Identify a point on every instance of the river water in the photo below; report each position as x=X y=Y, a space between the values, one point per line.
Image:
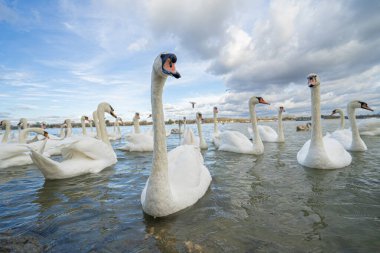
x=266 y=203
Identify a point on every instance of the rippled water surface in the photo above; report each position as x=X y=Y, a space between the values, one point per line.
x=266 y=203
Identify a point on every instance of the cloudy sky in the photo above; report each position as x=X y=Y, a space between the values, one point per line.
x=59 y=59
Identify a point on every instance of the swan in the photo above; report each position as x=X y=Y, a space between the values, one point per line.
x=202 y=143
x=268 y=134
x=86 y=155
x=350 y=139
x=370 y=127
x=321 y=153
x=179 y=178
x=303 y=127
x=17 y=154
x=138 y=141
x=234 y=141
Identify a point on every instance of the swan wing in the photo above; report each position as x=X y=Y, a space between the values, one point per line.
x=188 y=176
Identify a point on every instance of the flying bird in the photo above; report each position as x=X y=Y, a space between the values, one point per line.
x=192 y=104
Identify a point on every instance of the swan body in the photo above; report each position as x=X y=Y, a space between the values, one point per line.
x=179 y=178
x=234 y=141
x=86 y=155
x=268 y=134
x=318 y=152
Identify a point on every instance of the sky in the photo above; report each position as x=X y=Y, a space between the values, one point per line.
x=60 y=58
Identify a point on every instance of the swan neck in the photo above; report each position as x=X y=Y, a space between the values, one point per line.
x=159 y=186
x=255 y=129
x=341 y=120
x=96 y=122
x=6 y=134
x=215 y=122
x=316 y=131
x=26 y=131
x=102 y=126
x=136 y=125
x=199 y=126
x=280 y=127
x=356 y=139
x=84 y=132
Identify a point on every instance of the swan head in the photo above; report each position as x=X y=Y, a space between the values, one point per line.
x=313 y=80
x=46 y=135
x=107 y=108
x=334 y=112
x=359 y=104
x=215 y=110
x=164 y=65
x=23 y=123
x=257 y=100
x=282 y=109
x=199 y=117
x=137 y=116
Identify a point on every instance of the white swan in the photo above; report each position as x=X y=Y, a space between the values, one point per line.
x=138 y=141
x=321 y=152
x=352 y=142
x=17 y=154
x=87 y=155
x=234 y=141
x=268 y=134
x=178 y=178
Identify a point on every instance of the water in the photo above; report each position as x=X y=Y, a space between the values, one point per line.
x=265 y=203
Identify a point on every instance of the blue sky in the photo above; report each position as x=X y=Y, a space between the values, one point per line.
x=59 y=59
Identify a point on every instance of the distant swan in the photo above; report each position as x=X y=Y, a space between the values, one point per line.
x=138 y=141
x=350 y=139
x=87 y=155
x=7 y=125
x=268 y=134
x=303 y=127
x=321 y=152
x=234 y=141
x=179 y=178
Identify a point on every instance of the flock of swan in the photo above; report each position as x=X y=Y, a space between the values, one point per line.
x=178 y=178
